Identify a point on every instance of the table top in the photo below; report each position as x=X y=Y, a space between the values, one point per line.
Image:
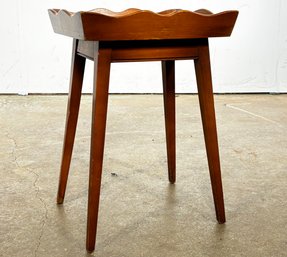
x=135 y=24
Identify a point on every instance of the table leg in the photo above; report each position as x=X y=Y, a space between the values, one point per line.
x=205 y=94
x=168 y=77
x=76 y=81
x=102 y=61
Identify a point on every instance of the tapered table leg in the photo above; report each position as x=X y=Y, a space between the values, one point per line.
x=168 y=76
x=76 y=81
x=205 y=93
x=102 y=62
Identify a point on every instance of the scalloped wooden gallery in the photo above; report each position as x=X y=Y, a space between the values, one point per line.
x=134 y=35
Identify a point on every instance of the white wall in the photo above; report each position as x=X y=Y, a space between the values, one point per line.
x=35 y=60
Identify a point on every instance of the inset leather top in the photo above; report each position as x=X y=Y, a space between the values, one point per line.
x=135 y=24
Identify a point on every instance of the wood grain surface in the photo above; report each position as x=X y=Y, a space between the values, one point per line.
x=136 y=24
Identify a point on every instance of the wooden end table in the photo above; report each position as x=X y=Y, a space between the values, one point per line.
x=133 y=35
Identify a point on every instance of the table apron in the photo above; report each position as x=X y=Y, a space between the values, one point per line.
x=131 y=51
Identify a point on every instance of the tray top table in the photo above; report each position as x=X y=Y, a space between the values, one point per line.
x=139 y=35
x=135 y=24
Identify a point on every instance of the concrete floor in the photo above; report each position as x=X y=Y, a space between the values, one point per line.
x=140 y=213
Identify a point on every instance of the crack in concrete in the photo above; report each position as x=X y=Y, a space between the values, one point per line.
x=13 y=153
x=35 y=186
x=45 y=217
x=253 y=114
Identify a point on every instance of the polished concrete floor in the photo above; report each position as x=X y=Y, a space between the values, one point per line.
x=140 y=213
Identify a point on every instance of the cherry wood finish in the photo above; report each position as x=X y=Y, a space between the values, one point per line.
x=105 y=25
x=135 y=35
x=143 y=50
x=168 y=77
x=102 y=61
x=205 y=94
x=76 y=81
